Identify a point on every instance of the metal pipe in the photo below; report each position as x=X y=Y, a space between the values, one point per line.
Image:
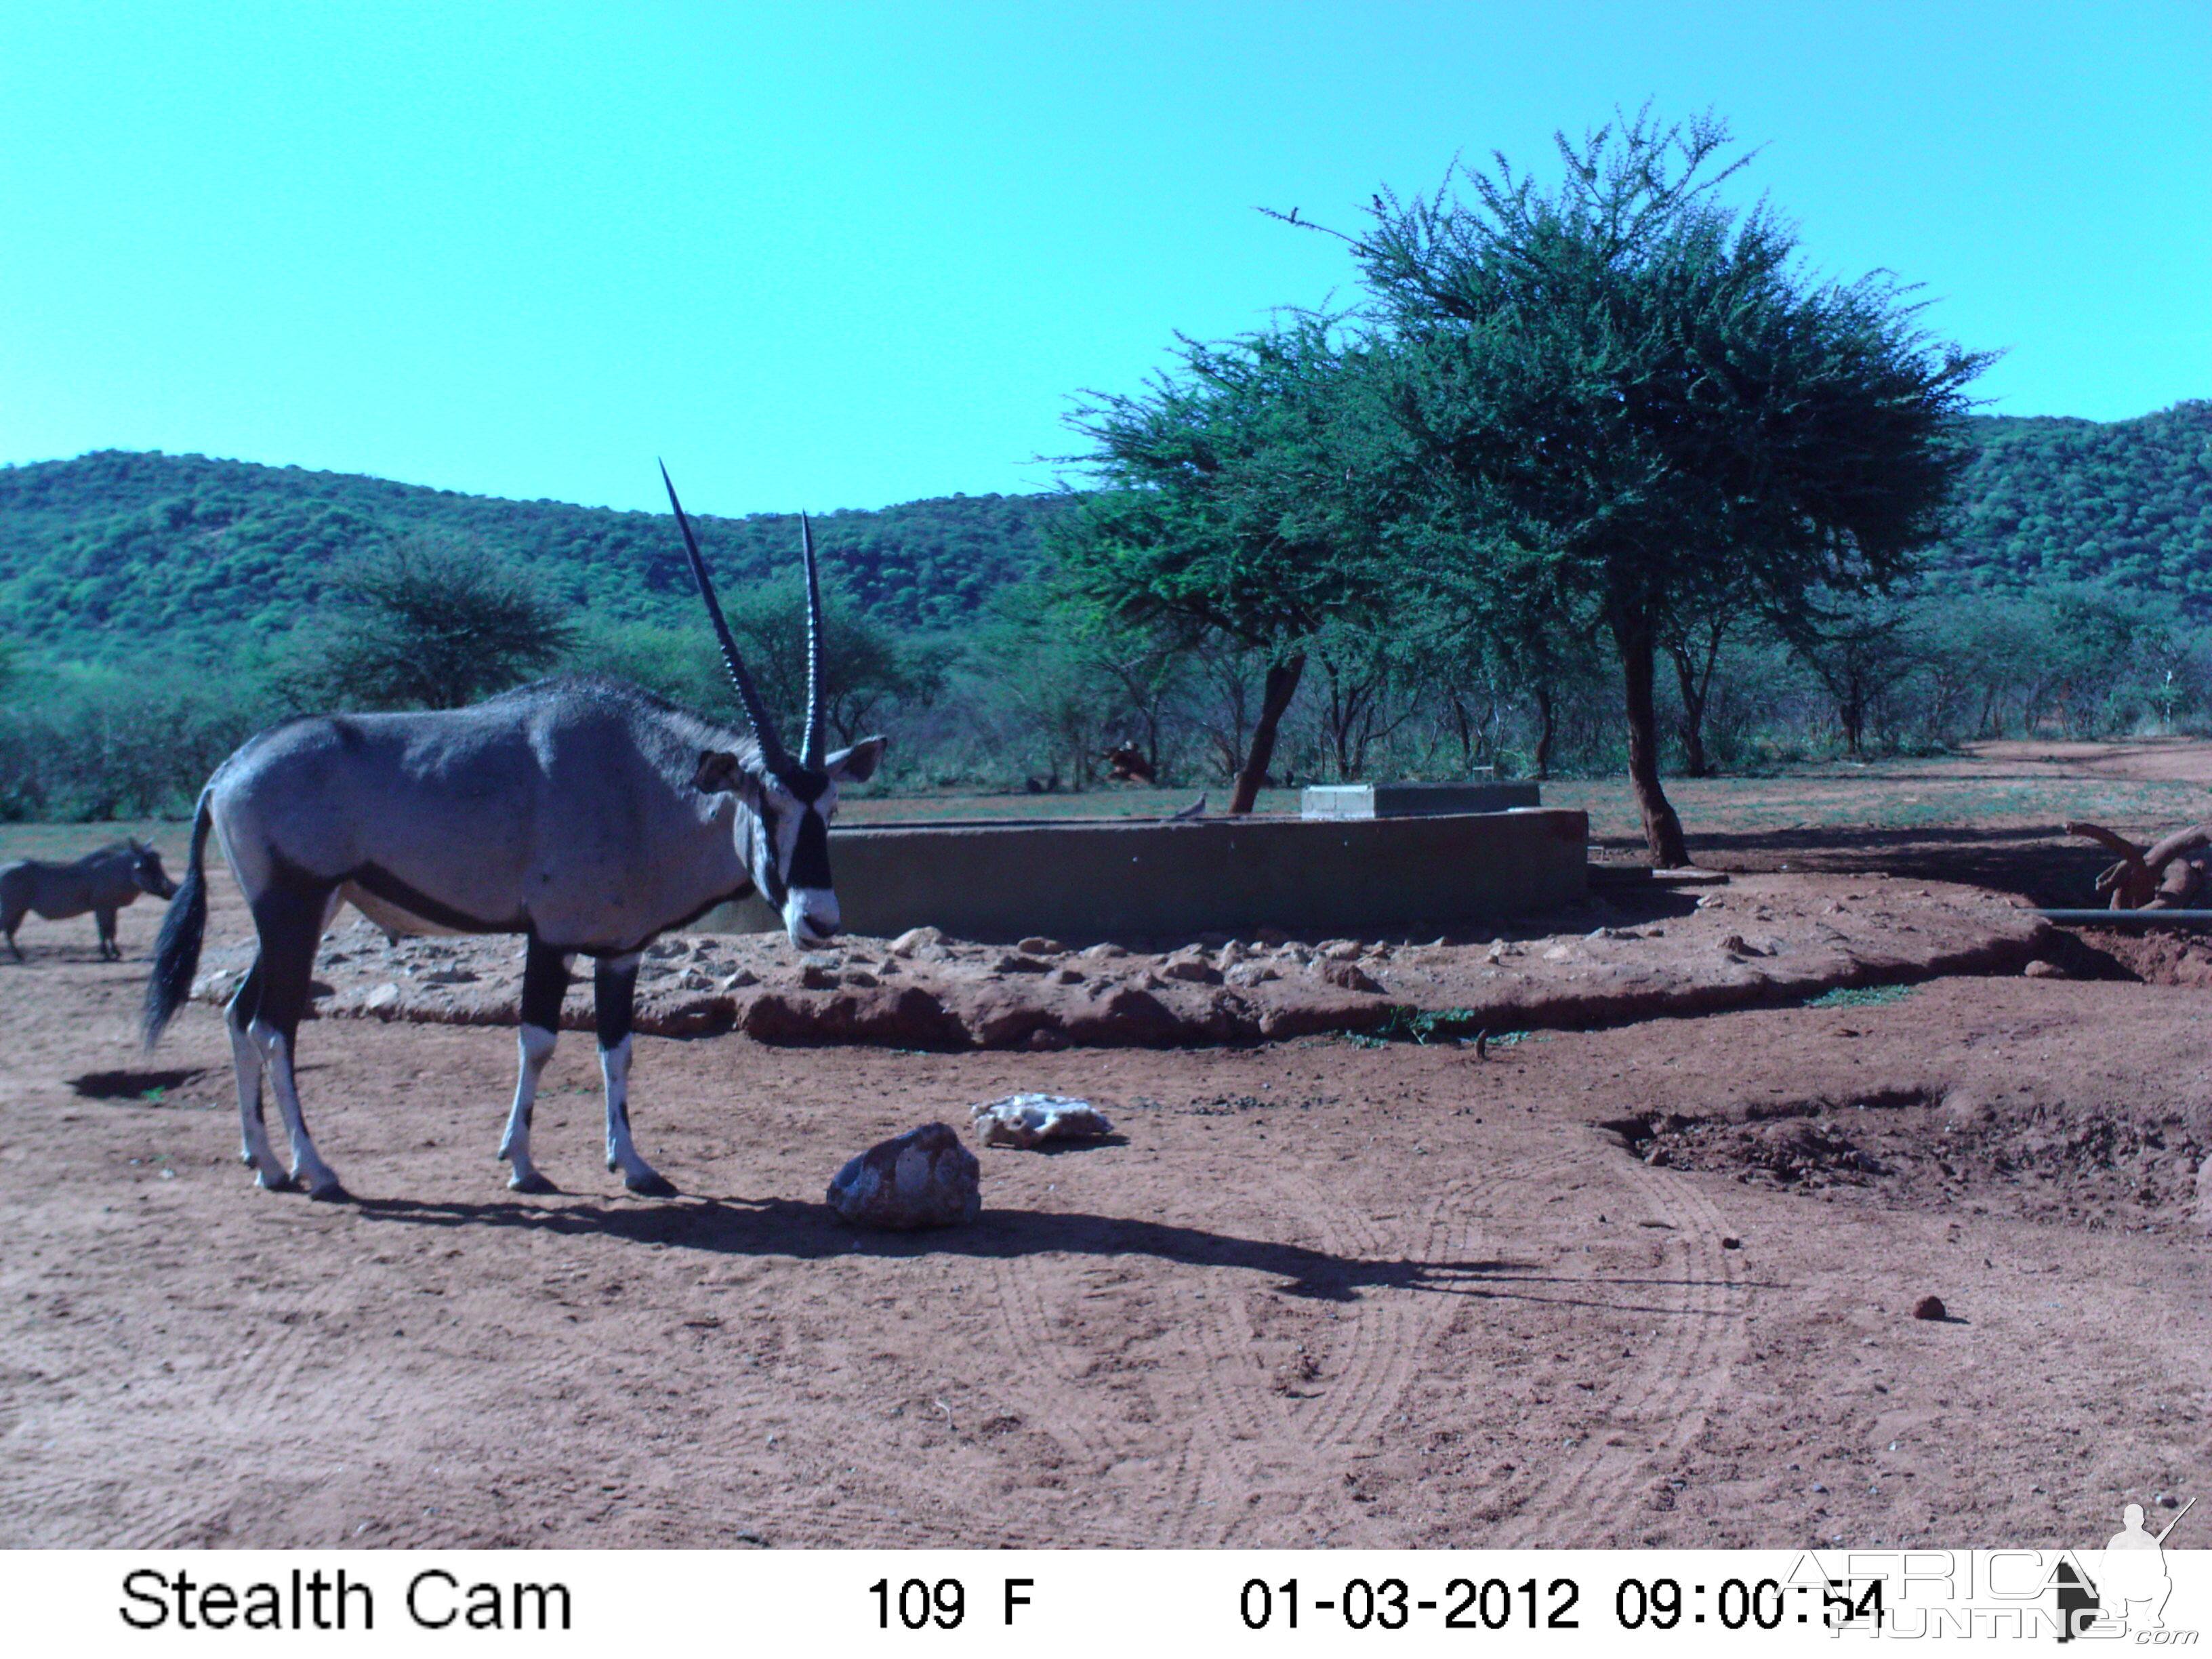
x=2129 y=919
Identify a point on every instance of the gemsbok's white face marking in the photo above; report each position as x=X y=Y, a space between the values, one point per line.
x=790 y=812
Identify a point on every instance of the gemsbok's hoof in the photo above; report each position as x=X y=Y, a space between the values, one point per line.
x=533 y=1182
x=330 y=1191
x=650 y=1184
x=274 y=1184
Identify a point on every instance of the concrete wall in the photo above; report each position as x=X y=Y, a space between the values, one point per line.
x=1004 y=880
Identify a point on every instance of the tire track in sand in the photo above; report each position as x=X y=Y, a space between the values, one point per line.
x=1063 y=1393
x=1587 y=1496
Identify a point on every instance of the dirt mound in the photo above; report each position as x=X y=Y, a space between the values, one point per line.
x=1627 y=953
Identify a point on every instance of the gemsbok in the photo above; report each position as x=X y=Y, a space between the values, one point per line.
x=584 y=814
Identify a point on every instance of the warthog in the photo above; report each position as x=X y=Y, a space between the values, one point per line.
x=102 y=883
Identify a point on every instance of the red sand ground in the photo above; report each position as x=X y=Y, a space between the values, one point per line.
x=1647 y=1284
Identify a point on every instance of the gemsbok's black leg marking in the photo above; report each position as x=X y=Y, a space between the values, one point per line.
x=545 y=983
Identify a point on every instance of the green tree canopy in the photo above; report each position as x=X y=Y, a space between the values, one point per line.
x=1625 y=403
x=1242 y=497
x=432 y=624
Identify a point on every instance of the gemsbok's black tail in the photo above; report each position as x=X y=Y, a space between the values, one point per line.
x=176 y=952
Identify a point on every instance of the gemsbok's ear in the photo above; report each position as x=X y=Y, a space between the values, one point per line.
x=856 y=764
x=719 y=770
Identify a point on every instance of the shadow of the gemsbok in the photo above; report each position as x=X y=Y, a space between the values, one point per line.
x=791 y=1228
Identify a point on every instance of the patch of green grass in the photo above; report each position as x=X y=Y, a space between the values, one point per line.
x=1860 y=996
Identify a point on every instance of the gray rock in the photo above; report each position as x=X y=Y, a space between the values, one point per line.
x=924 y=1178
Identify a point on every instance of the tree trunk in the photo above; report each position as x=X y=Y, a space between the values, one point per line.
x=1662 y=830
x=1282 y=685
x=1697 y=685
x=1464 y=722
x=1548 y=723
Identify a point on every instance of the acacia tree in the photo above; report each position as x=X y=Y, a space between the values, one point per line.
x=431 y=623
x=1241 y=500
x=866 y=665
x=1620 y=396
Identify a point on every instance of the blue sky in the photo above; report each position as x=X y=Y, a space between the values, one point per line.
x=825 y=255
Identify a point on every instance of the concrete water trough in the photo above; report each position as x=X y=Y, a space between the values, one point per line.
x=1006 y=879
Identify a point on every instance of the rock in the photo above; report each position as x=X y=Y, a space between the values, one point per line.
x=739 y=980
x=924 y=1178
x=1020 y=963
x=1105 y=952
x=1249 y=974
x=1350 y=976
x=859 y=979
x=1029 y=1119
x=218 y=986
x=2039 y=969
x=1192 y=969
x=1341 y=950
x=1067 y=976
x=1037 y=946
x=451 y=976
x=818 y=976
x=1929 y=1307
x=915 y=940
x=384 y=996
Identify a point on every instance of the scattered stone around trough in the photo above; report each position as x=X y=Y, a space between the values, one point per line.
x=1630 y=954
x=1031 y=1119
x=923 y=1178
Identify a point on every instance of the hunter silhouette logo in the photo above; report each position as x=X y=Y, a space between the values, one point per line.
x=2131 y=1585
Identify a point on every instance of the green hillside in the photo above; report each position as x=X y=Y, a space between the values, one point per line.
x=101 y=553
x=2049 y=500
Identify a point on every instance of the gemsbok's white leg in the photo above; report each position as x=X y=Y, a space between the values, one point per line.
x=614 y=987
x=307 y=1165
x=537 y=1045
x=255 y=1150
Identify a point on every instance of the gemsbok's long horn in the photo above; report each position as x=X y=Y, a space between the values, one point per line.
x=772 y=749
x=817 y=728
